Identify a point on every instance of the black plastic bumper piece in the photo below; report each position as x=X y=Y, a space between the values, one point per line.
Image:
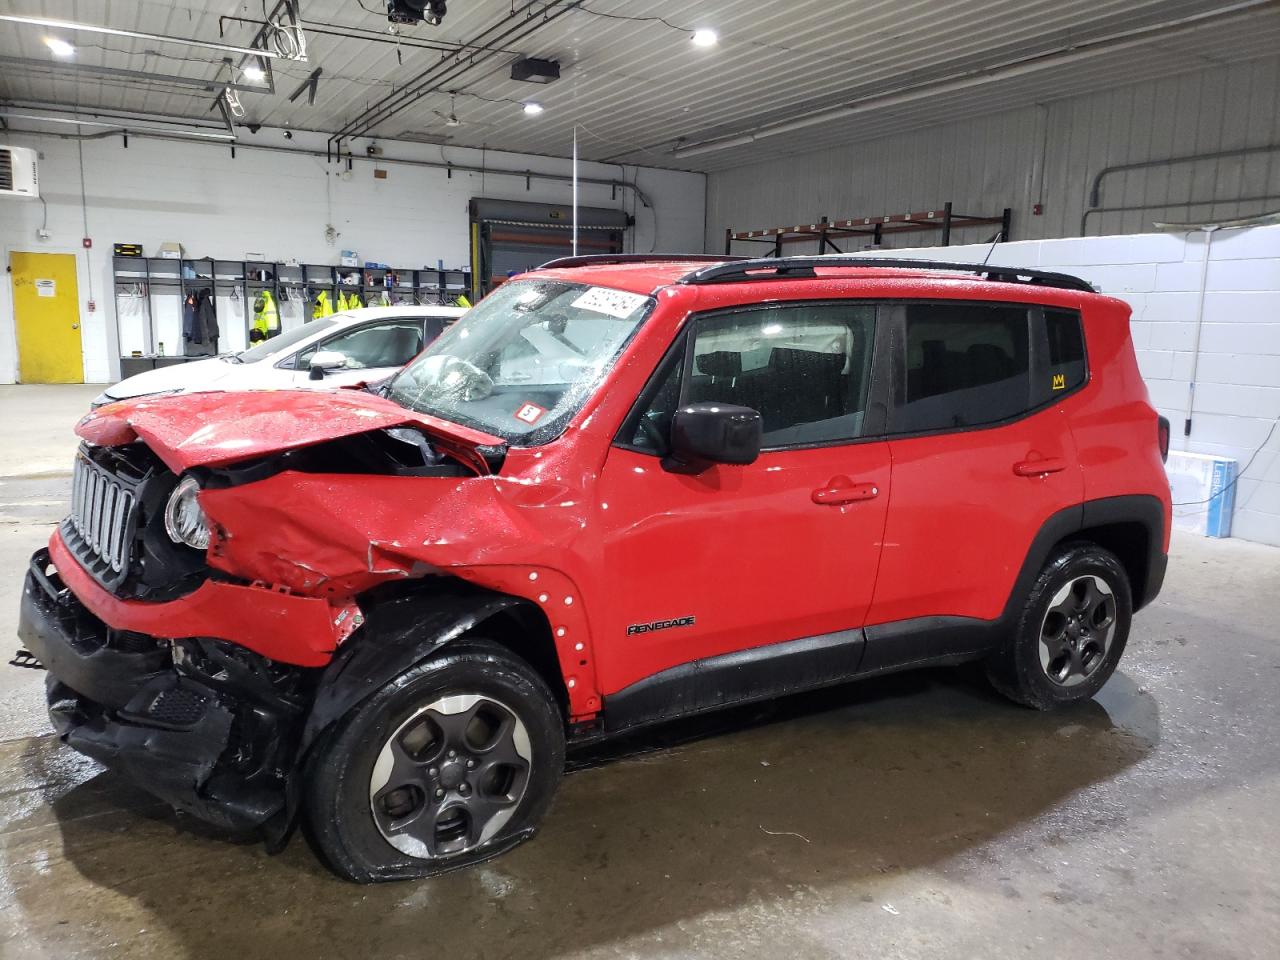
x=1155 y=576
x=126 y=706
x=72 y=644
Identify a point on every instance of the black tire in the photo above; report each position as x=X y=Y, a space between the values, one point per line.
x=1085 y=656
x=340 y=797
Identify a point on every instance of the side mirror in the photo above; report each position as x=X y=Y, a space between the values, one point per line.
x=324 y=360
x=706 y=433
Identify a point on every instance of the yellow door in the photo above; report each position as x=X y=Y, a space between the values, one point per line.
x=46 y=308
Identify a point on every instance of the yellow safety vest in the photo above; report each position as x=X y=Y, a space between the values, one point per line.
x=266 y=318
x=322 y=307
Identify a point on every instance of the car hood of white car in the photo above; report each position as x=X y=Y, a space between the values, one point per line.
x=193 y=376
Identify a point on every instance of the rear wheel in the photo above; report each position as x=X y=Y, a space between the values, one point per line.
x=453 y=762
x=1072 y=631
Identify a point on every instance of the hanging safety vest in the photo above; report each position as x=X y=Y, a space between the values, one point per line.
x=266 y=318
x=321 y=307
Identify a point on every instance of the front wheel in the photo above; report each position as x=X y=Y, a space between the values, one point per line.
x=1072 y=631
x=453 y=762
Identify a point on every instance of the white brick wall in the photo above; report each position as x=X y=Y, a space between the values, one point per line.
x=1238 y=380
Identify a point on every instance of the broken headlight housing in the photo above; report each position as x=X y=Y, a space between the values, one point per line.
x=184 y=521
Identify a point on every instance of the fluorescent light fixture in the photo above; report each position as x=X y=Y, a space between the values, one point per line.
x=60 y=48
x=533 y=109
x=705 y=37
x=254 y=73
x=112 y=31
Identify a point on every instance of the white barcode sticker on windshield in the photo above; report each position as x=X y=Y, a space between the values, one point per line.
x=615 y=303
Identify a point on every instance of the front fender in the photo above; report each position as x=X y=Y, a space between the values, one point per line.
x=397 y=634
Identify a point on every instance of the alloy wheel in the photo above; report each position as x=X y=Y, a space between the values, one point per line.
x=450 y=776
x=1077 y=629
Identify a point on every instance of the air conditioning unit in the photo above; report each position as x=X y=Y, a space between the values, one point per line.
x=18 y=172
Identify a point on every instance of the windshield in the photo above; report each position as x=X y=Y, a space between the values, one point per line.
x=268 y=348
x=524 y=360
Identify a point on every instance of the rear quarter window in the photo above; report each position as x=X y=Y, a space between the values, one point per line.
x=1064 y=339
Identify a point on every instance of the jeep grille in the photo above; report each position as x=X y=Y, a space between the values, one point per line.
x=100 y=530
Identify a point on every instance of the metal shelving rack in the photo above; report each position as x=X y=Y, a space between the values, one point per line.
x=160 y=276
x=826 y=230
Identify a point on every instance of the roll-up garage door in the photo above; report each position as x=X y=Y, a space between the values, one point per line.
x=511 y=236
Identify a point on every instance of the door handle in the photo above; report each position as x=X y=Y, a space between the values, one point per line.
x=1038 y=468
x=843 y=490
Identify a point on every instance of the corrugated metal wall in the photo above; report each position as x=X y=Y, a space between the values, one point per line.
x=1048 y=154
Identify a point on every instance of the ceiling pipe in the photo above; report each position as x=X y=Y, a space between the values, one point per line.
x=164 y=79
x=114 y=129
x=119 y=117
x=975 y=78
x=147 y=133
x=158 y=38
x=350 y=32
x=1095 y=191
x=530 y=17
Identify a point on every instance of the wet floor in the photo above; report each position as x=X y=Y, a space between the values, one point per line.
x=918 y=816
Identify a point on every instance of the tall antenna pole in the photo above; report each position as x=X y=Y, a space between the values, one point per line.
x=575 y=189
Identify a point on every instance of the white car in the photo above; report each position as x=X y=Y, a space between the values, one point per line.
x=339 y=350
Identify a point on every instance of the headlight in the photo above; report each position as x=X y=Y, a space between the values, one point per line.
x=184 y=521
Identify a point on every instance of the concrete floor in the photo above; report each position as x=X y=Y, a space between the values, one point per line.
x=919 y=816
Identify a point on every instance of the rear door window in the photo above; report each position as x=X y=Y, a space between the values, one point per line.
x=962 y=365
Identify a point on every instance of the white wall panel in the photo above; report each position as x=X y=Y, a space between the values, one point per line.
x=279 y=205
x=988 y=163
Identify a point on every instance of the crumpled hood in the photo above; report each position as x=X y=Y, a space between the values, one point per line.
x=211 y=429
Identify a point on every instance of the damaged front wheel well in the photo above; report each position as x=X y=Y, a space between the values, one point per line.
x=407 y=622
x=523 y=629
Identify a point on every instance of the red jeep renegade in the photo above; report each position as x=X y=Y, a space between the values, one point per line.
x=621 y=490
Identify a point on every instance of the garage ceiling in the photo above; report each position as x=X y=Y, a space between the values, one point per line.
x=641 y=91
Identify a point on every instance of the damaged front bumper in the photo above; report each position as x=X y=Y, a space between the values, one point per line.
x=282 y=626
x=210 y=743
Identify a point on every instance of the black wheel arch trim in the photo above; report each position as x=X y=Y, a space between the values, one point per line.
x=399 y=632
x=1149 y=564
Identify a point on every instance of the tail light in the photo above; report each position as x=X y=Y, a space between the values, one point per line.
x=1162 y=437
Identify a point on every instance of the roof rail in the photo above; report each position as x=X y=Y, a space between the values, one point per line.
x=782 y=268
x=604 y=258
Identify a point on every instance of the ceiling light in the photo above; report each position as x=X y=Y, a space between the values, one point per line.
x=254 y=73
x=60 y=48
x=705 y=38
x=533 y=109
